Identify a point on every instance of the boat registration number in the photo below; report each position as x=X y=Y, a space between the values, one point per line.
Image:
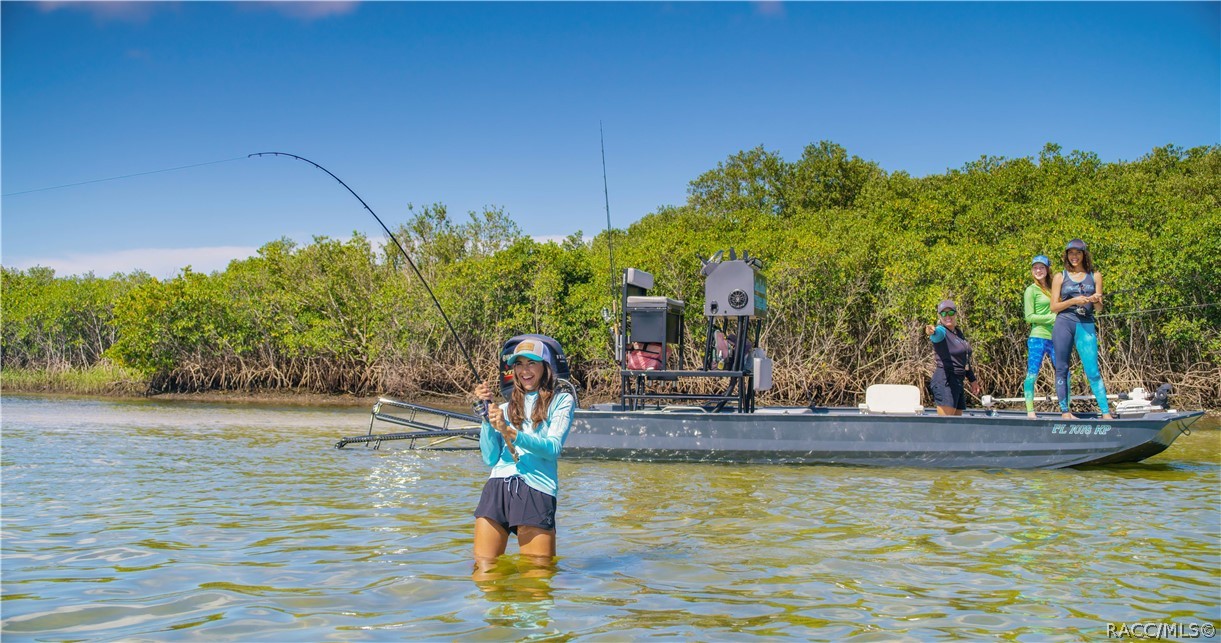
x=1080 y=429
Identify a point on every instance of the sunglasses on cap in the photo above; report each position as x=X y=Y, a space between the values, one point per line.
x=948 y=312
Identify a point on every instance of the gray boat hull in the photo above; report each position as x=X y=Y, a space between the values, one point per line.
x=978 y=439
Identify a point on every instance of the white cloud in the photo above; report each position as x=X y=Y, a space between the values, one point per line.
x=134 y=12
x=307 y=10
x=139 y=11
x=769 y=8
x=159 y=262
x=165 y=263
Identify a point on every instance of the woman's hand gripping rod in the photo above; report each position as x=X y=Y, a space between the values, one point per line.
x=494 y=416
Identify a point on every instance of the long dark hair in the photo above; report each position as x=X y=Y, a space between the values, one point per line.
x=1087 y=262
x=517 y=402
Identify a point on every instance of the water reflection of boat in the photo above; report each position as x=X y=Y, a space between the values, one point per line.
x=657 y=419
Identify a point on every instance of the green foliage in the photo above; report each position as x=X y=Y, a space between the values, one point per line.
x=57 y=323
x=856 y=260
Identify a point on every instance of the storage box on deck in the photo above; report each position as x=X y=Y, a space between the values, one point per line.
x=655 y=319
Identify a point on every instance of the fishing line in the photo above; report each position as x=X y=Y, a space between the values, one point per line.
x=1158 y=310
x=125 y=176
x=1194 y=280
x=406 y=256
x=481 y=406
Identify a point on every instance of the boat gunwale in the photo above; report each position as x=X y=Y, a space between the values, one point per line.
x=840 y=412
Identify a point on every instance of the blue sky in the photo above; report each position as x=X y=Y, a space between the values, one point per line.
x=499 y=104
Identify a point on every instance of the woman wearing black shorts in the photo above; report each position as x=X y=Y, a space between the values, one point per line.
x=521 y=440
x=953 y=353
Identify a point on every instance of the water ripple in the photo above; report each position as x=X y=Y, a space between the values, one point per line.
x=155 y=521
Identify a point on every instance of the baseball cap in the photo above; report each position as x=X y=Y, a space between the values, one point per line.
x=1075 y=244
x=1041 y=259
x=531 y=349
x=946 y=304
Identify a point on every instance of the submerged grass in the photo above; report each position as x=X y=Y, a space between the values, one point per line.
x=104 y=378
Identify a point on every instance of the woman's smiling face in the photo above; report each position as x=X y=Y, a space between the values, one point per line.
x=1039 y=271
x=528 y=372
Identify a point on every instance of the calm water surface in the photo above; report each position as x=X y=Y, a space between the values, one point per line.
x=179 y=521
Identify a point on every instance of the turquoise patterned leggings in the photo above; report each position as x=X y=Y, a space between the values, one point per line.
x=1037 y=350
x=1084 y=336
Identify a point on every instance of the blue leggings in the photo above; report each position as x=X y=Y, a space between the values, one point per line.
x=1065 y=335
x=1037 y=349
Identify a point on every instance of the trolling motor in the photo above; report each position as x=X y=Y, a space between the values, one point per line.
x=1162 y=396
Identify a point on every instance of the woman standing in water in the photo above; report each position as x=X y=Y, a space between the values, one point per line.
x=1036 y=305
x=953 y=355
x=1076 y=295
x=521 y=440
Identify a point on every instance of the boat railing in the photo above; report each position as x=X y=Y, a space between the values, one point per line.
x=432 y=425
x=1132 y=404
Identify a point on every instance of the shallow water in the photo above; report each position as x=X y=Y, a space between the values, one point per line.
x=177 y=521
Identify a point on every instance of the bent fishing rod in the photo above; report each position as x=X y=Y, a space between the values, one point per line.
x=481 y=405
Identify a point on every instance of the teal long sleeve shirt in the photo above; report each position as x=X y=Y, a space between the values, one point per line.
x=538 y=448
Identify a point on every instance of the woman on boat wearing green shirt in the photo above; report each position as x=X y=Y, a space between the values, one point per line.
x=1036 y=304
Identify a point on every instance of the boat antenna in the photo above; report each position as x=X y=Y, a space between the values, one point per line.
x=461 y=346
x=610 y=236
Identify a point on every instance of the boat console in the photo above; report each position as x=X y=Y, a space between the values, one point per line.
x=735 y=298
